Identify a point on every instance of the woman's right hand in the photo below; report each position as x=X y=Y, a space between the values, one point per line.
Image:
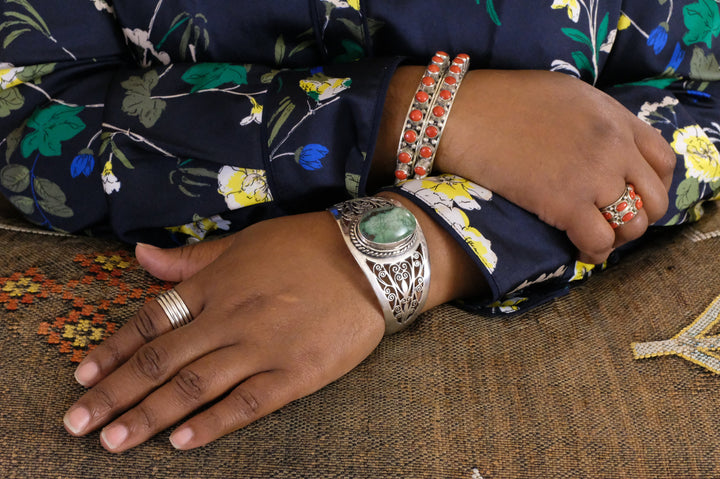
x=551 y=144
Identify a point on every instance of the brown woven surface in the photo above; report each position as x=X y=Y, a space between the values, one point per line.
x=553 y=393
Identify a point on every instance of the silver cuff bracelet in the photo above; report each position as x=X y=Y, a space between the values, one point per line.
x=386 y=241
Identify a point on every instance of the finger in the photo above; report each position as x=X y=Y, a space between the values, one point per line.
x=147 y=324
x=592 y=235
x=656 y=151
x=178 y=264
x=193 y=386
x=152 y=365
x=651 y=188
x=258 y=396
x=632 y=229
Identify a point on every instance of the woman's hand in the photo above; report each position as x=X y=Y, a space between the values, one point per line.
x=281 y=309
x=549 y=143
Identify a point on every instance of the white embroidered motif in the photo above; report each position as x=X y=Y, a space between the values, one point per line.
x=691 y=343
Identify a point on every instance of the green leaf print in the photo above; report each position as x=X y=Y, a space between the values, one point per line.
x=577 y=35
x=279 y=50
x=206 y=76
x=704 y=67
x=15 y=178
x=582 y=62
x=10 y=100
x=35 y=72
x=13 y=141
x=490 y=7
x=280 y=116
x=702 y=20
x=688 y=192
x=24 y=204
x=28 y=21
x=51 y=198
x=138 y=101
x=52 y=125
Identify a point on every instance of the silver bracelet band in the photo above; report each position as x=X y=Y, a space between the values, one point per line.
x=386 y=241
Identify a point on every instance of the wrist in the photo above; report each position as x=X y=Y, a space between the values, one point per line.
x=454 y=273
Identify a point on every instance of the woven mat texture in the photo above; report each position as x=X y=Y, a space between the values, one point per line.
x=552 y=393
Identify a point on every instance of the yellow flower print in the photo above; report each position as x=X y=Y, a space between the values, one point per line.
x=9 y=76
x=509 y=305
x=198 y=229
x=702 y=159
x=110 y=182
x=243 y=186
x=573 y=8
x=624 y=22
x=255 y=113
x=321 y=88
x=344 y=3
x=582 y=271
x=449 y=195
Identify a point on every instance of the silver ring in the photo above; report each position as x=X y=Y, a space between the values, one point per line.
x=624 y=208
x=175 y=308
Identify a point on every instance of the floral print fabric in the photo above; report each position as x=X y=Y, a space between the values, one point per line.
x=168 y=122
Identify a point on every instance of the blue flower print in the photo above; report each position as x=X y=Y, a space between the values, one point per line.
x=311 y=155
x=677 y=57
x=82 y=164
x=658 y=37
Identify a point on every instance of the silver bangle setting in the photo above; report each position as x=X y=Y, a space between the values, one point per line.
x=386 y=241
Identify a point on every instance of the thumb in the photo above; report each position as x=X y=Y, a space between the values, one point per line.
x=178 y=264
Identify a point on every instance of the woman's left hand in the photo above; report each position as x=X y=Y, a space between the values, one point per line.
x=281 y=309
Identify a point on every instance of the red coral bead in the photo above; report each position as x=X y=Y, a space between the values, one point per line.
x=445 y=94
x=419 y=170
x=608 y=216
x=639 y=202
x=428 y=81
x=455 y=69
x=433 y=68
x=404 y=157
x=628 y=216
x=622 y=206
x=438 y=111
x=426 y=151
x=431 y=131
x=451 y=81
x=416 y=115
x=410 y=136
x=400 y=175
x=422 y=97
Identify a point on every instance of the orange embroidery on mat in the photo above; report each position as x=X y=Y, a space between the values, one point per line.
x=85 y=324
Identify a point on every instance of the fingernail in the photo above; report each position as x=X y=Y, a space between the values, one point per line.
x=85 y=373
x=181 y=438
x=77 y=420
x=113 y=436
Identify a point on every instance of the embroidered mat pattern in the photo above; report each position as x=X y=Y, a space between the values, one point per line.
x=554 y=392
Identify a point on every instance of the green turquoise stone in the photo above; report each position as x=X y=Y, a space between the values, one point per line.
x=387 y=225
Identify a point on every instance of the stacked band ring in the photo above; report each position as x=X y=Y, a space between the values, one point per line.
x=175 y=308
x=624 y=208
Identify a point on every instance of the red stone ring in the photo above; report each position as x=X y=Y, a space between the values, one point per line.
x=624 y=208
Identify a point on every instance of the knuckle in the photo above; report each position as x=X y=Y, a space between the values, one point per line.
x=189 y=386
x=147 y=419
x=245 y=404
x=145 y=325
x=103 y=402
x=150 y=362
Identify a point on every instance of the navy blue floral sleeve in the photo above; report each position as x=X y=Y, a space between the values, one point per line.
x=168 y=122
